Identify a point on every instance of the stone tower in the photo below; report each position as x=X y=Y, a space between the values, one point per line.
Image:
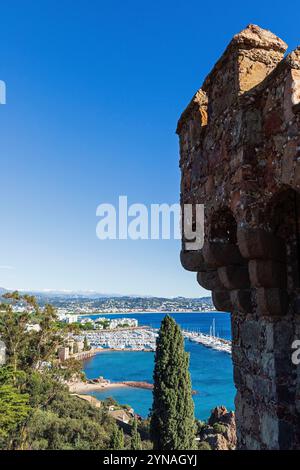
x=240 y=157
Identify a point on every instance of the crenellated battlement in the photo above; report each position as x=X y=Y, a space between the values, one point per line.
x=249 y=58
x=248 y=105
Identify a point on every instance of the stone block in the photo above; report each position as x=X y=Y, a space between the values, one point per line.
x=284 y=335
x=234 y=277
x=267 y=364
x=286 y=435
x=192 y=260
x=269 y=337
x=242 y=300
x=217 y=254
x=210 y=280
x=235 y=327
x=270 y=431
x=221 y=300
x=247 y=415
x=238 y=357
x=238 y=376
x=252 y=443
x=272 y=301
x=285 y=395
x=250 y=334
x=260 y=244
x=267 y=273
x=264 y=388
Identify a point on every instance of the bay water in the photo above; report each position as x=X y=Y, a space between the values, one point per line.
x=211 y=370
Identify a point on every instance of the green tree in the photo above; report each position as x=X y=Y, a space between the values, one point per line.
x=27 y=349
x=172 y=423
x=32 y=375
x=14 y=408
x=136 y=441
x=117 y=438
x=86 y=346
x=12 y=332
x=36 y=408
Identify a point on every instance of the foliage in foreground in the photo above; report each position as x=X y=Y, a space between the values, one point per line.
x=36 y=409
x=69 y=423
x=38 y=412
x=136 y=442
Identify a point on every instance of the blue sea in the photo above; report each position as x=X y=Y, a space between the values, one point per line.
x=211 y=371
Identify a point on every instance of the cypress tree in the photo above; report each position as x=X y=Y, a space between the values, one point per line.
x=117 y=438
x=136 y=442
x=172 y=423
x=86 y=346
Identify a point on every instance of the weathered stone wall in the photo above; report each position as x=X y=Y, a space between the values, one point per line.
x=240 y=157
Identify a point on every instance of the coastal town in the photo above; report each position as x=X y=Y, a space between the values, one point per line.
x=86 y=335
x=132 y=304
x=89 y=303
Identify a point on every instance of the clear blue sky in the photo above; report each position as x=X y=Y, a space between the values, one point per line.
x=94 y=91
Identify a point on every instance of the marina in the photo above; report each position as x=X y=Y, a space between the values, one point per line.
x=136 y=339
x=144 y=339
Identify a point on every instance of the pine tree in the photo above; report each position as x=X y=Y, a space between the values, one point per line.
x=117 y=439
x=136 y=442
x=172 y=423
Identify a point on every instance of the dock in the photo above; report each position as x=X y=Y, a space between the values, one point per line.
x=210 y=341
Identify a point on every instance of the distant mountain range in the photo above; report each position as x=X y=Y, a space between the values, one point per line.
x=93 y=302
x=64 y=294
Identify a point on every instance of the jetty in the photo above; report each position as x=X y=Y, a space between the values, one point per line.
x=210 y=341
x=138 y=384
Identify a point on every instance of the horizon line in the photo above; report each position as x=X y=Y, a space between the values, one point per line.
x=69 y=292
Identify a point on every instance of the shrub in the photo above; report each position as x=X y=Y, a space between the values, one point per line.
x=204 y=446
x=219 y=428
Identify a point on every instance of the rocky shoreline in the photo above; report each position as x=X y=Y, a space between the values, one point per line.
x=219 y=433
